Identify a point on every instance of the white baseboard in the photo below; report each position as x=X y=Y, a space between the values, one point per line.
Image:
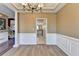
x=51 y=39
x=16 y=45
x=27 y=38
x=68 y=44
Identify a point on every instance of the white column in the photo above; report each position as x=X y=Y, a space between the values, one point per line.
x=16 y=31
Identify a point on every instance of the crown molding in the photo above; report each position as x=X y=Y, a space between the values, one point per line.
x=60 y=6
x=10 y=6
x=55 y=10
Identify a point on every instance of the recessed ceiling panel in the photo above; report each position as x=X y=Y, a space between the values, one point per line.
x=47 y=7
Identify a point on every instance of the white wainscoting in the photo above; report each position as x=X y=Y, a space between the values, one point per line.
x=3 y=37
x=68 y=44
x=30 y=38
x=51 y=39
x=27 y=38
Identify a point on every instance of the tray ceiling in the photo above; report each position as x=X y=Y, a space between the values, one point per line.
x=48 y=7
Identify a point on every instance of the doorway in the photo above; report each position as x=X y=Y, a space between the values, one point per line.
x=11 y=32
x=41 y=30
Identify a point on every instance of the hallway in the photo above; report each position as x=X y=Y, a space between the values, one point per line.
x=35 y=50
x=40 y=40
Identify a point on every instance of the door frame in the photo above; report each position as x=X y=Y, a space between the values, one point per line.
x=46 y=29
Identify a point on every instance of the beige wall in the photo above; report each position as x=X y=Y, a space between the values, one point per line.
x=68 y=20
x=27 y=22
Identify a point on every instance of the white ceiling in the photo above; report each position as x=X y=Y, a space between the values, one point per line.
x=19 y=6
x=48 y=7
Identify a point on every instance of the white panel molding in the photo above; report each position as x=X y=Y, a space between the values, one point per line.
x=68 y=44
x=27 y=38
x=51 y=39
x=3 y=37
x=30 y=38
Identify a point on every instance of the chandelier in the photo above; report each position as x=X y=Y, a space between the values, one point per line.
x=32 y=7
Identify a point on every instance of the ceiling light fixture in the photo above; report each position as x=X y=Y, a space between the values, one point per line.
x=32 y=7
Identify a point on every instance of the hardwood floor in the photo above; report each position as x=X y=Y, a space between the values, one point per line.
x=5 y=46
x=35 y=50
x=41 y=40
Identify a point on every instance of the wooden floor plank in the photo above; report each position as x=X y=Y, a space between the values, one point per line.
x=35 y=50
